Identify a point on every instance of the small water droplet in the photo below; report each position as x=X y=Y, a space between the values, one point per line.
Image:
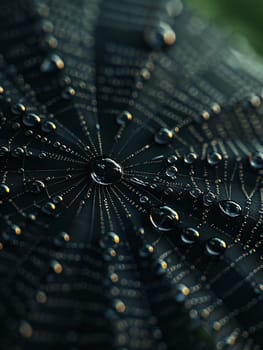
x=49 y=208
x=4 y=151
x=171 y=171
x=124 y=118
x=110 y=240
x=256 y=161
x=48 y=43
x=4 y=190
x=190 y=235
x=56 y=266
x=159 y=36
x=209 y=198
x=172 y=159
x=68 y=93
x=48 y=126
x=190 y=158
x=214 y=158
x=31 y=120
x=146 y=251
x=53 y=63
x=17 y=152
x=18 y=109
x=61 y=239
x=58 y=199
x=144 y=199
x=195 y=192
x=181 y=293
x=163 y=136
x=164 y=218
x=216 y=246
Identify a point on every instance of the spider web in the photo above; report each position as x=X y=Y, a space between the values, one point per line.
x=168 y=257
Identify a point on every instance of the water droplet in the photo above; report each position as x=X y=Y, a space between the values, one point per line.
x=61 y=239
x=160 y=266
x=168 y=191
x=124 y=118
x=11 y=231
x=181 y=293
x=195 y=192
x=209 y=198
x=49 y=208
x=48 y=42
x=110 y=240
x=171 y=171
x=216 y=246
x=46 y=26
x=16 y=126
x=190 y=235
x=163 y=136
x=172 y=159
x=164 y=218
x=105 y=171
x=174 y=8
x=119 y=306
x=48 y=126
x=140 y=232
x=230 y=208
x=144 y=199
x=17 y=152
x=18 y=109
x=52 y=64
x=146 y=251
x=214 y=158
x=31 y=217
x=58 y=199
x=4 y=191
x=256 y=161
x=31 y=120
x=190 y=158
x=35 y=186
x=25 y=329
x=4 y=151
x=159 y=36
x=56 y=266
x=68 y=93
x=41 y=297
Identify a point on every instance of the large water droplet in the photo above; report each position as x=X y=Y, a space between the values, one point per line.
x=164 y=218
x=105 y=171
x=230 y=208
x=216 y=246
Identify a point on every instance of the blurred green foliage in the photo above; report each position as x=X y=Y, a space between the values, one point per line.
x=242 y=16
